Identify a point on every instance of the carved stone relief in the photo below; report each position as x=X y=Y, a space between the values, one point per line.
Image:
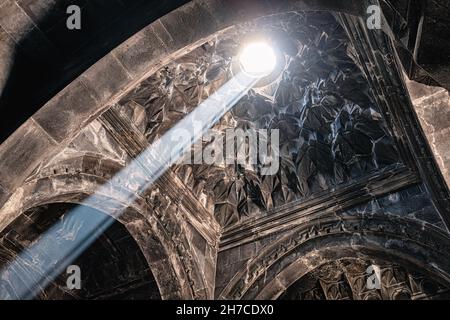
x=331 y=132
x=346 y=279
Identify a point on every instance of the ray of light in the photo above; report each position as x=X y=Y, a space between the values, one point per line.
x=36 y=266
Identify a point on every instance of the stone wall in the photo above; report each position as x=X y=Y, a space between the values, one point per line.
x=384 y=206
x=432 y=105
x=412 y=203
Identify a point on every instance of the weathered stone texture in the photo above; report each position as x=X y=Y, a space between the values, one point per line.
x=330 y=133
x=68 y=112
x=346 y=280
x=412 y=203
x=107 y=68
x=7 y=50
x=432 y=105
x=139 y=53
x=353 y=187
x=30 y=143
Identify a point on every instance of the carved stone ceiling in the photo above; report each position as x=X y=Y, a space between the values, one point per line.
x=331 y=132
x=334 y=143
x=346 y=279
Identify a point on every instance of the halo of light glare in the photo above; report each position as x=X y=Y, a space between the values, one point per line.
x=258 y=59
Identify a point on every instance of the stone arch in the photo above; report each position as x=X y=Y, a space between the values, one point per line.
x=111 y=266
x=51 y=128
x=355 y=279
x=417 y=246
x=172 y=264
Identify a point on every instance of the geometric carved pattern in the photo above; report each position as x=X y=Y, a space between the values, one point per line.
x=335 y=134
x=346 y=279
x=331 y=132
x=343 y=233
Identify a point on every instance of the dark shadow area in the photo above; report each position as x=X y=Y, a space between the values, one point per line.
x=422 y=39
x=112 y=267
x=49 y=56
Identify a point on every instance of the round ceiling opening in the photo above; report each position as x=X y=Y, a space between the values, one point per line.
x=258 y=59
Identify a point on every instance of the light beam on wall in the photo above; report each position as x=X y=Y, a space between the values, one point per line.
x=39 y=264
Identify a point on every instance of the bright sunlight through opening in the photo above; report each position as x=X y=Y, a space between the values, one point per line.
x=258 y=59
